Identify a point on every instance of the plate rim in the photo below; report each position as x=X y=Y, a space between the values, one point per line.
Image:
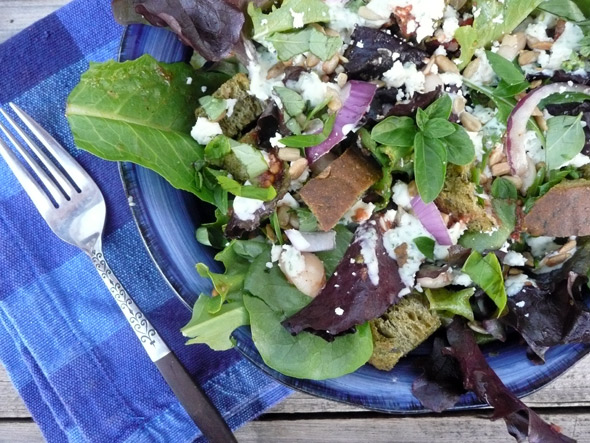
x=303 y=385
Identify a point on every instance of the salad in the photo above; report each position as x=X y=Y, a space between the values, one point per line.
x=381 y=173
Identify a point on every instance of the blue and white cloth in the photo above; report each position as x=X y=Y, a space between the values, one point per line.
x=68 y=349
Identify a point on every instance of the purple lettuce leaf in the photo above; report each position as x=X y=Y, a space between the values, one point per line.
x=211 y=27
x=372 y=56
x=521 y=421
x=352 y=295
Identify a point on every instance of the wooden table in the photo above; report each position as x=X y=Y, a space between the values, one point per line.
x=301 y=417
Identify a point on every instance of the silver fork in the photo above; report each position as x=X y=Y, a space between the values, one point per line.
x=77 y=215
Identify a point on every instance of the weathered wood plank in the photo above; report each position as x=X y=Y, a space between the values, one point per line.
x=442 y=429
x=18 y=14
x=11 y=405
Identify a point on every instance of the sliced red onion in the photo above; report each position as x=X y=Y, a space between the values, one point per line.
x=312 y=241
x=431 y=219
x=516 y=128
x=356 y=99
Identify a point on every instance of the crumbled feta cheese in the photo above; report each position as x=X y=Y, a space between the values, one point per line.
x=451 y=78
x=513 y=258
x=258 y=66
x=461 y=279
x=205 y=130
x=230 y=104
x=484 y=74
x=540 y=246
x=274 y=141
x=344 y=20
x=245 y=208
x=520 y=304
x=292 y=260
x=405 y=75
x=401 y=196
x=515 y=283
x=189 y=80
x=311 y=87
x=534 y=147
x=562 y=49
x=450 y=23
x=368 y=241
x=578 y=161
x=339 y=311
x=269 y=265
x=298 y=19
x=477 y=139
x=203 y=88
x=538 y=31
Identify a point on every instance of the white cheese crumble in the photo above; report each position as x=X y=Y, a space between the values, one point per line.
x=368 y=241
x=541 y=246
x=275 y=141
x=245 y=208
x=401 y=196
x=520 y=304
x=275 y=253
x=461 y=279
x=258 y=66
x=405 y=75
x=515 y=283
x=578 y=161
x=297 y=18
x=426 y=14
x=538 y=31
x=359 y=212
x=311 y=87
x=477 y=139
x=513 y=258
x=484 y=74
x=344 y=20
x=339 y=311
x=534 y=147
x=293 y=261
x=205 y=130
x=189 y=80
x=562 y=49
x=230 y=104
x=450 y=23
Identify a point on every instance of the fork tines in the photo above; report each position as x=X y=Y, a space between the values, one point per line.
x=59 y=187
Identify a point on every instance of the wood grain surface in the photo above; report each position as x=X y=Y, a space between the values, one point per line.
x=303 y=418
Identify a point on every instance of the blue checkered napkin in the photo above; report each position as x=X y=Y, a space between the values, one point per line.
x=68 y=349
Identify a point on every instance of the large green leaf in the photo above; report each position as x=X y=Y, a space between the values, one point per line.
x=139 y=111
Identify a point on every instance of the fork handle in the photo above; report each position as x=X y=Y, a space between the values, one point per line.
x=191 y=397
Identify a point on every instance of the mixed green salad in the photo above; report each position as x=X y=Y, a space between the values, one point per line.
x=382 y=172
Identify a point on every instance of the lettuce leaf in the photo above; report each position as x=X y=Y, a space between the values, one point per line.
x=211 y=27
x=139 y=111
x=486 y=27
x=271 y=299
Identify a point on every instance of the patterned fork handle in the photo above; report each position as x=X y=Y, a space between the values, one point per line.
x=204 y=414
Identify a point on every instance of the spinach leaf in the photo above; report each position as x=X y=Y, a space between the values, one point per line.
x=566 y=9
x=430 y=166
x=333 y=257
x=211 y=234
x=140 y=111
x=426 y=246
x=460 y=148
x=395 y=131
x=486 y=27
x=504 y=69
x=272 y=300
x=454 y=302
x=481 y=241
x=283 y=18
x=290 y=44
x=324 y=46
x=486 y=272
x=215 y=329
x=214 y=107
x=565 y=139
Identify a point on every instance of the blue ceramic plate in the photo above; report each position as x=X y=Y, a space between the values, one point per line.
x=167 y=219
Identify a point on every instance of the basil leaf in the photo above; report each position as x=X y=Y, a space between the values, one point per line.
x=506 y=70
x=292 y=101
x=421 y=118
x=565 y=139
x=486 y=272
x=455 y=302
x=217 y=149
x=566 y=9
x=430 y=166
x=441 y=108
x=438 y=128
x=324 y=46
x=395 y=131
x=504 y=189
x=460 y=148
x=426 y=246
x=246 y=191
x=308 y=140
